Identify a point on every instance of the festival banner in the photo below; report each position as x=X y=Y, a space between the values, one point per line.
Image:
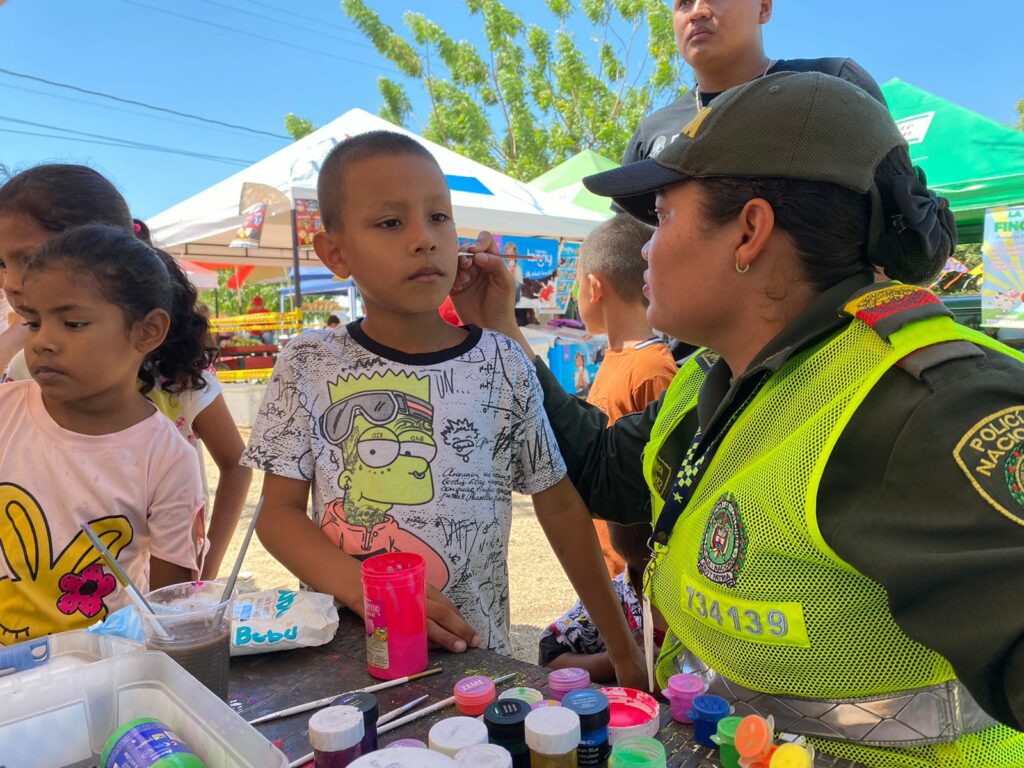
x=565 y=281
x=534 y=261
x=1002 y=297
x=307 y=221
x=251 y=231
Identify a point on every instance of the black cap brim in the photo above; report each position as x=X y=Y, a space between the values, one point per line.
x=633 y=187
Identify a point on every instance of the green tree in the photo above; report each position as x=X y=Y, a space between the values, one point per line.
x=298 y=127
x=1020 y=111
x=528 y=97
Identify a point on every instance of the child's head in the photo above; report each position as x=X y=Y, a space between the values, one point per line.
x=100 y=303
x=333 y=321
x=632 y=542
x=611 y=265
x=387 y=215
x=579 y=360
x=48 y=199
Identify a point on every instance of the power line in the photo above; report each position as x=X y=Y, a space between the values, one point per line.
x=98 y=105
x=232 y=30
x=136 y=103
x=252 y=14
x=299 y=15
x=124 y=142
x=168 y=150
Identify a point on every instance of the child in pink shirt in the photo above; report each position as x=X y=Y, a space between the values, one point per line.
x=80 y=444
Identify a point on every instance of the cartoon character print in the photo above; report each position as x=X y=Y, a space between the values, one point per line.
x=383 y=426
x=47 y=594
x=462 y=437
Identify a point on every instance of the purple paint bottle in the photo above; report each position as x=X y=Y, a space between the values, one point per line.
x=336 y=735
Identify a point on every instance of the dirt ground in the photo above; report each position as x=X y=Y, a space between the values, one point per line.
x=535 y=601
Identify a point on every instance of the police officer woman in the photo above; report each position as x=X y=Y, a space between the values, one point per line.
x=837 y=480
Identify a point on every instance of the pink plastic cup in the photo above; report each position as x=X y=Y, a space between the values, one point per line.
x=395 y=610
x=681 y=691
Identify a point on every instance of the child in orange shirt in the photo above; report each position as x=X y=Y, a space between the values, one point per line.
x=638 y=366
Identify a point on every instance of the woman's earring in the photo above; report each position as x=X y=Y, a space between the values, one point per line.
x=742 y=270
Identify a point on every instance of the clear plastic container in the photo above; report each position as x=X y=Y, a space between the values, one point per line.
x=77 y=709
x=60 y=653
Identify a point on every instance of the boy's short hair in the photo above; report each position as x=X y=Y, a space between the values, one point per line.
x=330 y=183
x=613 y=249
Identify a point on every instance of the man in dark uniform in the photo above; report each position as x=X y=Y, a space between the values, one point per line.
x=721 y=41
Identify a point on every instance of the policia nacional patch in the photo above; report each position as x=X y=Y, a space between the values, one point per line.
x=991 y=454
x=724 y=547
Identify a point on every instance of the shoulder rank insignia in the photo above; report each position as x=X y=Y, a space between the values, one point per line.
x=891 y=306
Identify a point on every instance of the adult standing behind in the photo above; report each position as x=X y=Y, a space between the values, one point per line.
x=836 y=481
x=721 y=41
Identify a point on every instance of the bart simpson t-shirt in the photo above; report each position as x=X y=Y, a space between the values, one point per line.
x=413 y=453
x=138 y=489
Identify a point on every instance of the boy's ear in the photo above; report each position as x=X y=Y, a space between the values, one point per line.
x=597 y=287
x=149 y=332
x=330 y=253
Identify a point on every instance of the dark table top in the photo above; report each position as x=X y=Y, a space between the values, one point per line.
x=269 y=682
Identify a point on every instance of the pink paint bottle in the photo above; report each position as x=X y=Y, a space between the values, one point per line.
x=561 y=681
x=473 y=694
x=681 y=691
x=395 y=611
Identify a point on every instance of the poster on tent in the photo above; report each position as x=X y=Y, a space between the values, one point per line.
x=1002 y=298
x=307 y=221
x=565 y=281
x=535 y=268
x=249 y=234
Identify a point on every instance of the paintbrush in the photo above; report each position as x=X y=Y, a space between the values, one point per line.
x=433 y=708
x=510 y=257
x=387 y=717
x=324 y=702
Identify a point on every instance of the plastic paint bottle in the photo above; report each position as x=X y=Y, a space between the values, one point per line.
x=706 y=712
x=410 y=743
x=561 y=681
x=336 y=735
x=638 y=752
x=473 y=694
x=545 y=703
x=395 y=611
x=367 y=704
x=530 y=695
x=506 y=726
x=484 y=756
x=755 y=741
x=453 y=734
x=592 y=707
x=681 y=691
x=404 y=757
x=793 y=756
x=726 y=741
x=553 y=734
x=147 y=743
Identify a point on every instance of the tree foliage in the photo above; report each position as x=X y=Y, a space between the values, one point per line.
x=297 y=127
x=1020 y=111
x=528 y=97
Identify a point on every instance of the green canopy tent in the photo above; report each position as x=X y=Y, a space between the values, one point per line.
x=975 y=162
x=565 y=181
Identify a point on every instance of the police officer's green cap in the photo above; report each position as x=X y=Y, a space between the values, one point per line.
x=793 y=125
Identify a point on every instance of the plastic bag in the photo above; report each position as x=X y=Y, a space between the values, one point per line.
x=280 y=619
x=122 y=623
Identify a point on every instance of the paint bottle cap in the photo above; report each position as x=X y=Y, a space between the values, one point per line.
x=685 y=685
x=726 y=733
x=474 y=693
x=529 y=695
x=404 y=757
x=365 y=703
x=793 y=756
x=552 y=730
x=411 y=743
x=453 y=734
x=592 y=707
x=336 y=728
x=484 y=756
x=545 y=703
x=754 y=736
x=710 y=708
x=638 y=752
x=561 y=681
x=506 y=719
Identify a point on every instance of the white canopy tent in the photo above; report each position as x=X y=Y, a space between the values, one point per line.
x=199 y=229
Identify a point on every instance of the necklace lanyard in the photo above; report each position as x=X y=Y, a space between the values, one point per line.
x=696 y=90
x=695 y=464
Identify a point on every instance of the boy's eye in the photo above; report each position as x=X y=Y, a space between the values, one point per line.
x=32 y=325
x=440 y=217
x=74 y=325
x=389 y=223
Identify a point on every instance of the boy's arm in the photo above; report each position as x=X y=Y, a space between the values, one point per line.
x=297 y=543
x=599 y=665
x=163 y=573
x=567 y=525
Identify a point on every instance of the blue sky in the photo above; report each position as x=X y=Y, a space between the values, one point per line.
x=242 y=63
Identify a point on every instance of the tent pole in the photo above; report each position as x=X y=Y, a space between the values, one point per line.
x=295 y=260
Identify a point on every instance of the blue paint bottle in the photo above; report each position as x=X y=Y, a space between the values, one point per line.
x=592 y=707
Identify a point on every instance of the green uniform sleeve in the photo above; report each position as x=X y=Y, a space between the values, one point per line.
x=605 y=464
x=923 y=493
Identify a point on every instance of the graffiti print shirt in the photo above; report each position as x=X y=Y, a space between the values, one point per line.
x=413 y=453
x=138 y=489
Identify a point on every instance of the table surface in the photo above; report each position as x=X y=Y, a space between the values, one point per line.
x=269 y=682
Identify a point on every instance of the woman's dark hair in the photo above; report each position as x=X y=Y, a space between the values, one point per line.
x=137 y=278
x=831 y=225
x=60 y=196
